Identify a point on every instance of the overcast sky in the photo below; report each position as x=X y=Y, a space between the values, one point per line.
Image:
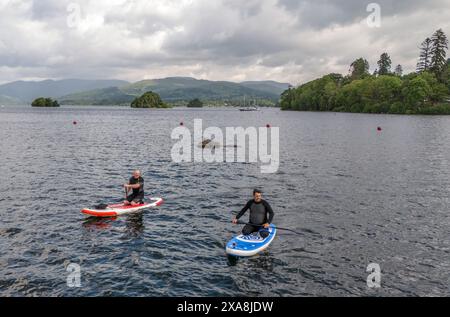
x=284 y=40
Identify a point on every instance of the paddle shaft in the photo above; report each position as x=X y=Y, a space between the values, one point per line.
x=126 y=193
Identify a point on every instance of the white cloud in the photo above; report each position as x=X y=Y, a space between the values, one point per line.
x=283 y=40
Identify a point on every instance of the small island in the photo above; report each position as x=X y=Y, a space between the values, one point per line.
x=195 y=103
x=425 y=91
x=45 y=103
x=149 y=100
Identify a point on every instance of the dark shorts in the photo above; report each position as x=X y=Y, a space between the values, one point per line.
x=139 y=198
x=249 y=229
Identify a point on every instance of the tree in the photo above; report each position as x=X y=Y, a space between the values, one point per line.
x=149 y=100
x=359 y=69
x=384 y=64
x=352 y=97
x=438 y=90
x=415 y=93
x=425 y=56
x=287 y=98
x=195 y=103
x=439 y=49
x=447 y=76
x=385 y=88
x=45 y=103
x=399 y=70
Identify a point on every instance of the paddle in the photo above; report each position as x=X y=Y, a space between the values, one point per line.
x=104 y=206
x=278 y=228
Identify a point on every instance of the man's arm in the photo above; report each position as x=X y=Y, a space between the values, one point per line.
x=129 y=187
x=244 y=210
x=269 y=210
x=135 y=186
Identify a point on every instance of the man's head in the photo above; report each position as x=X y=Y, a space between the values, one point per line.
x=257 y=195
x=137 y=174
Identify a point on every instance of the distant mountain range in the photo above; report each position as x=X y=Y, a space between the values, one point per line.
x=115 y=92
x=27 y=91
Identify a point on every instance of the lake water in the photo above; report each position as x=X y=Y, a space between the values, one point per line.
x=357 y=196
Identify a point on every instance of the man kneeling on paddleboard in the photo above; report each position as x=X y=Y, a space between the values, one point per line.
x=259 y=209
x=136 y=184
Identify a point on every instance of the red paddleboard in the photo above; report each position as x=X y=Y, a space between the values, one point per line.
x=121 y=209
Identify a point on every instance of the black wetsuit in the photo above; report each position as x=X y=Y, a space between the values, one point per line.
x=258 y=216
x=138 y=194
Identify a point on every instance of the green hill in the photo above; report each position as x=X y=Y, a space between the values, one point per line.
x=106 y=96
x=267 y=86
x=176 y=90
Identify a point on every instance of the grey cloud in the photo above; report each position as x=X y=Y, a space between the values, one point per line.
x=48 y=9
x=283 y=40
x=247 y=8
x=325 y=13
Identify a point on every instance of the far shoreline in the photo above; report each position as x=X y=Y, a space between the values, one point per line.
x=208 y=108
x=369 y=113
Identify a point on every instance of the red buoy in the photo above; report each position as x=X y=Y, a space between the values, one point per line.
x=181 y=123
x=75 y=123
x=379 y=129
x=268 y=126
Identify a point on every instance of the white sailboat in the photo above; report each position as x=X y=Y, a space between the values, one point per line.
x=249 y=108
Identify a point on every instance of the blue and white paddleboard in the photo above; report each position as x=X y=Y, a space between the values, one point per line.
x=251 y=244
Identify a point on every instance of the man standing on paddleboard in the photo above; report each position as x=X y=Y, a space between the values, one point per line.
x=136 y=184
x=261 y=215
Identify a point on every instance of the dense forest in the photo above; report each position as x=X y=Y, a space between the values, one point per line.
x=387 y=90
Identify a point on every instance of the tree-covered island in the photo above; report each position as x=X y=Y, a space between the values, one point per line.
x=149 y=100
x=45 y=103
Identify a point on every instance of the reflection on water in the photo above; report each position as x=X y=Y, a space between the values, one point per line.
x=262 y=261
x=232 y=260
x=134 y=224
x=94 y=223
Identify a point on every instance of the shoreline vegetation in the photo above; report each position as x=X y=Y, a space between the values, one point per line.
x=195 y=103
x=426 y=91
